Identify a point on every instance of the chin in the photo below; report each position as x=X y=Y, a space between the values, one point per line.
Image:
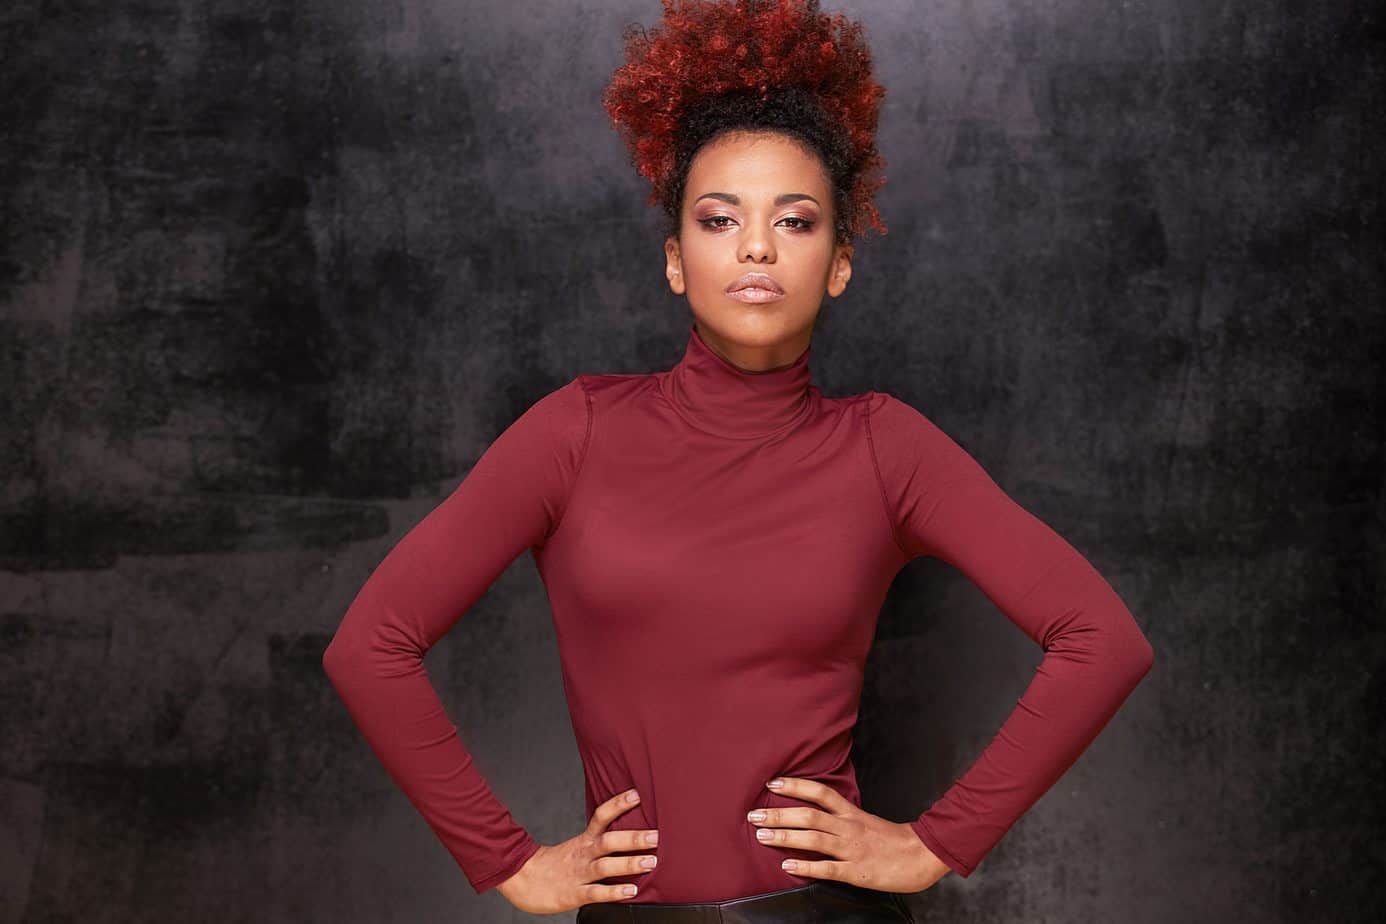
x=753 y=325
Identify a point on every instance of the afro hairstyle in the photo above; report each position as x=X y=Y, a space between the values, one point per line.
x=783 y=66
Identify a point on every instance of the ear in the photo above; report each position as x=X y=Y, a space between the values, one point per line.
x=840 y=269
x=673 y=268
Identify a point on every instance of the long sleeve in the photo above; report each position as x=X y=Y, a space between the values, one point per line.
x=512 y=499
x=943 y=504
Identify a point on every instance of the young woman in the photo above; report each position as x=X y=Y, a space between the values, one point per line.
x=717 y=539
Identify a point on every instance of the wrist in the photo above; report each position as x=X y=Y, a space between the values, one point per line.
x=514 y=886
x=932 y=867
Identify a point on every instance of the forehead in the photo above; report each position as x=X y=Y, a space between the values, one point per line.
x=757 y=164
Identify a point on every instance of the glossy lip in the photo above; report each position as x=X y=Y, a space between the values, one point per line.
x=755 y=295
x=760 y=281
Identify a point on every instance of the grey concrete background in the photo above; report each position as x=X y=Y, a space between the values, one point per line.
x=272 y=275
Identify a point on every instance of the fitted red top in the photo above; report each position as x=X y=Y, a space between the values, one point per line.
x=716 y=545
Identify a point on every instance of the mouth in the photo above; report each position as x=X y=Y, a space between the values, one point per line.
x=755 y=288
x=754 y=295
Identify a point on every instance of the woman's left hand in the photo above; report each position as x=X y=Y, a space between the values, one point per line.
x=867 y=850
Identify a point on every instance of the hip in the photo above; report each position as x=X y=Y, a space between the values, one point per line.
x=824 y=900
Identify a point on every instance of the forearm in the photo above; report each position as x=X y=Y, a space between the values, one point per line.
x=379 y=674
x=1094 y=657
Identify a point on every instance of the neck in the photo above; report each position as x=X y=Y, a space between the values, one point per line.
x=721 y=398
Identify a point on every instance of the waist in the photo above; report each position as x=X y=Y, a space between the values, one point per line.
x=825 y=899
x=708 y=851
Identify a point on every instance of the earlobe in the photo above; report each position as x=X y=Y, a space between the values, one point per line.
x=674 y=269
x=841 y=275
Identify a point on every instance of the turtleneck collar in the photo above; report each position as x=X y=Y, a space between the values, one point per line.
x=718 y=397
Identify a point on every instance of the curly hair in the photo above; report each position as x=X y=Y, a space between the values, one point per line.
x=755 y=65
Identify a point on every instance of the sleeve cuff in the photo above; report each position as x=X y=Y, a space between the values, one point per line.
x=926 y=834
x=518 y=859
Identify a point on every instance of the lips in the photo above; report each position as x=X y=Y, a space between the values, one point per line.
x=760 y=281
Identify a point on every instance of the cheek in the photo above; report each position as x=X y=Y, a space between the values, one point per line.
x=809 y=262
x=704 y=263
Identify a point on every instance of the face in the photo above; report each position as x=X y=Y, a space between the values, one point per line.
x=757 y=203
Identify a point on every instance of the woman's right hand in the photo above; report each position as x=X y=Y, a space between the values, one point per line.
x=564 y=877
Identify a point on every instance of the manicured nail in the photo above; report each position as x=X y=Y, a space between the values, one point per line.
x=632 y=796
x=629 y=890
x=789 y=864
x=775 y=783
x=764 y=834
x=755 y=816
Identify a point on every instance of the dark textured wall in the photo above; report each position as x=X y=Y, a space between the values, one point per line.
x=272 y=275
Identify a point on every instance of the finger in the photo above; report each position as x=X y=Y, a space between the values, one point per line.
x=599 y=892
x=814 y=791
x=817 y=841
x=606 y=867
x=796 y=816
x=610 y=809
x=817 y=869
x=622 y=841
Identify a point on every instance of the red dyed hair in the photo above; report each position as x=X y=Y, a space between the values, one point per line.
x=704 y=50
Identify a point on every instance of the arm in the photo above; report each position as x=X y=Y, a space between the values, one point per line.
x=941 y=503
x=511 y=500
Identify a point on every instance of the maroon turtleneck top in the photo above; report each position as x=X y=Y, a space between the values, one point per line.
x=716 y=545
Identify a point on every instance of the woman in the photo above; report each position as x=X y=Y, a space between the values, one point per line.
x=716 y=541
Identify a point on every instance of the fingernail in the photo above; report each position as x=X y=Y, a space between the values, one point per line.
x=764 y=834
x=629 y=890
x=789 y=864
x=775 y=783
x=632 y=796
x=755 y=816
x=652 y=837
x=649 y=862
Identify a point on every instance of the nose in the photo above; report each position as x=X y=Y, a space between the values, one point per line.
x=757 y=245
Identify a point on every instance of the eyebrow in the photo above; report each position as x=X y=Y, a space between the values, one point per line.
x=781 y=199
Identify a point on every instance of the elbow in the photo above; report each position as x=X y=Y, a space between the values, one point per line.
x=1116 y=647
x=1135 y=654
x=337 y=659
x=1147 y=654
x=371 y=645
x=352 y=647
x=331 y=659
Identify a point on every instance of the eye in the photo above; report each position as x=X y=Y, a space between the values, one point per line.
x=715 y=221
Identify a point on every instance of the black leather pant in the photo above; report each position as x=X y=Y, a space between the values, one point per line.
x=826 y=901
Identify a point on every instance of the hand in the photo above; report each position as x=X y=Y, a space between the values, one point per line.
x=564 y=877
x=869 y=851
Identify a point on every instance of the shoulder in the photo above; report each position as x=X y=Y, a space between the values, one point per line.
x=560 y=408
x=559 y=423
x=893 y=418
x=618 y=384
x=586 y=397
x=570 y=410
x=904 y=437
x=613 y=393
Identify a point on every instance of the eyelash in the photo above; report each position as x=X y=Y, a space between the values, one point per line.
x=805 y=224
